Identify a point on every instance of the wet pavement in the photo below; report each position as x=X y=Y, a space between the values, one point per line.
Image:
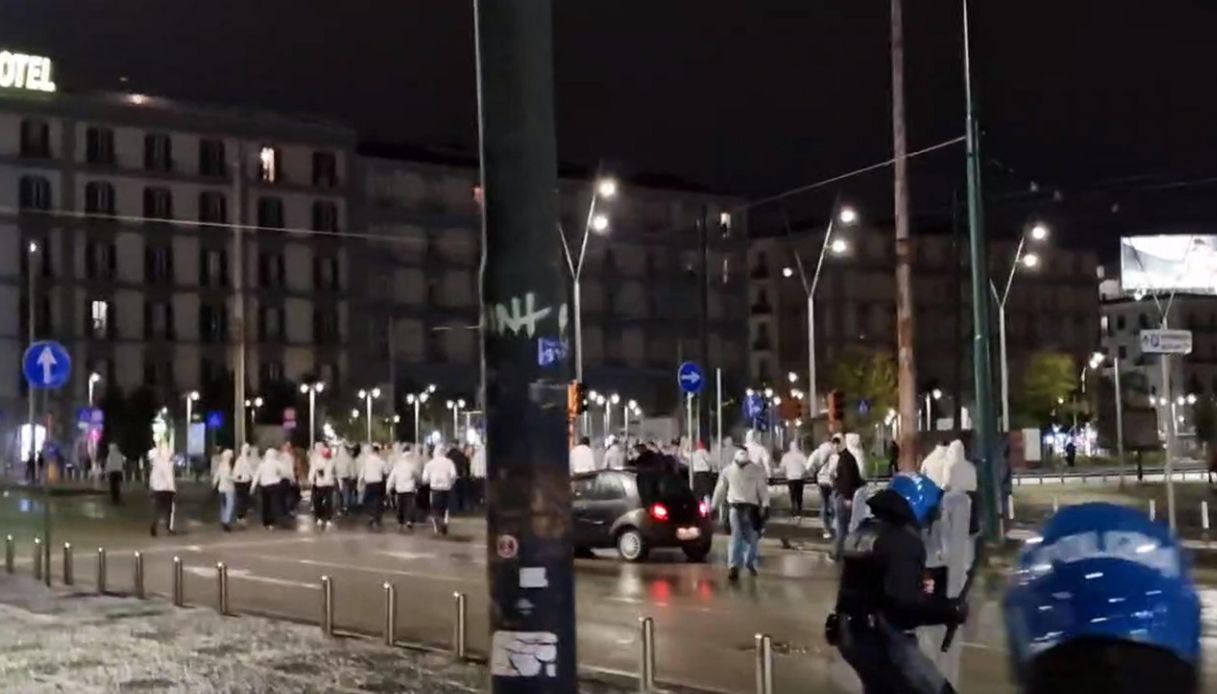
x=704 y=625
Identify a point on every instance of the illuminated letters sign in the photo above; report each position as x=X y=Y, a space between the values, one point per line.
x=21 y=71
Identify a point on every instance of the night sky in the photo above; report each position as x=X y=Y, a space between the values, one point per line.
x=1108 y=107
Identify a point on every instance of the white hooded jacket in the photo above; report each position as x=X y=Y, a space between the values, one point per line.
x=477 y=464
x=344 y=466
x=161 y=478
x=321 y=468
x=243 y=469
x=372 y=467
x=222 y=477
x=853 y=444
x=405 y=471
x=582 y=459
x=269 y=472
x=440 y=472
x=958 y=472
x=794 y=463
x=934 y=465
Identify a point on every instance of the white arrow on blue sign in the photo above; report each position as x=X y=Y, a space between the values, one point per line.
x=690 y=377
x=46 y=364
x=754 y=406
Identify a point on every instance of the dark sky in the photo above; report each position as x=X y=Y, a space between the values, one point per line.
x=1099 y=102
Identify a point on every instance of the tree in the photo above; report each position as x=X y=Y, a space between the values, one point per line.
x=865 y=374
x=1047 y=389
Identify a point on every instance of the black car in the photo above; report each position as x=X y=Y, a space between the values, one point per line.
x=637 y=512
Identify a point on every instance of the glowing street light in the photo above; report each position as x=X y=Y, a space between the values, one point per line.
x=839 y=246
x=93 y=379
x=368 y=396
x=312 y=389
x=787 y=272
x=792 y=377
x=1039 y=231
x=600 y=222
x=847 y=215
x=606 y=188
x=1031 y=261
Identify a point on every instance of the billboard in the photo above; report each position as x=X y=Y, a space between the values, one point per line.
x=1185 y=263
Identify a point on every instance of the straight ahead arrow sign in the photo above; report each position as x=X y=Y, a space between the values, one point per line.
x=46 y=359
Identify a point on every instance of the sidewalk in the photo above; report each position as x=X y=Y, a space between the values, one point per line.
x=54 y=641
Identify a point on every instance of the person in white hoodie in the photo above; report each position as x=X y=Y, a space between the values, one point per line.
x=344 y=470
x=582 y=458
x=221 y=479
x=242 y=477
x=703 y=472
x=934 y=465
x=477 y=471
x=403 y=481
x=822 y=466
x=439 y=474
x=372 y=478
x=267 y=478
x=164 y=488
x=794 y=467
x=321 y=480
x=614 y=456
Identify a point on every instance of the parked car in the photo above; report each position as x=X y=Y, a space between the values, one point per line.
x=637 y=512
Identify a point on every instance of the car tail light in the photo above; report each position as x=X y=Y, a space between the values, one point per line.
x=659 y=512
x=703 y=508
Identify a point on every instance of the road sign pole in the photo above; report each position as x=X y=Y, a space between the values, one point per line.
x=523 y=292
x=689 y=432
x=1170 y=440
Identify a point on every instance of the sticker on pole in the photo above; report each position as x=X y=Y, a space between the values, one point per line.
x=46 y=365
x=524 y=654
x=507 y=546
x=690 y=377
x=1166 y=341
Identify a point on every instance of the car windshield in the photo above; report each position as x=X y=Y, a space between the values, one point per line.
x=664 y=487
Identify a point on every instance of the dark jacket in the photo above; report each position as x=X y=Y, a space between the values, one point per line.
x=849 y=479
x=884 y=566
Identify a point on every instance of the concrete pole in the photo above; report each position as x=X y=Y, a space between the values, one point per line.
x=1119 y=420
x=905 y=319
x=813 y=398
x=238 y=299
x=1005 y=366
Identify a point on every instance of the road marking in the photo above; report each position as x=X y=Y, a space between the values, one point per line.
x=396 y=572
x=245 y=574
x=408 y=556
x=215 y=546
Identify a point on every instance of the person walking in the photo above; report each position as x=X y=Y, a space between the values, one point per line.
x=744 y=486
x=289 y=486
x=344 y=471
x=477 y=472
x=222 y=480
x=582 y=458
x=403 y=481
x=459 y=493
x=614 y=455
x=794 y=466
x=372 y=478
x=266 y=481
x=703 y=474
x=115 y=462
x=242 y=476
x=439 y=474
x=821 y=467
x=164 y=489
x=846 y=481
x=321 y=480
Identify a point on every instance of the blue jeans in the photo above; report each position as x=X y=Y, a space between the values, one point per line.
x=826 y=511
x=228 y=504
x=745 y=541
x=843 y=511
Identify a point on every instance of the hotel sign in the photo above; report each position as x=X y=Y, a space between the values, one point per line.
x=21 y=71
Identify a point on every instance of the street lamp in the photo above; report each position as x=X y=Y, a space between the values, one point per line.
x=930 y=397
x=252 y=407
x=1037 y=233
x=312 y=389
x=603 y=189
x=93 y=379
x=456 y=406
x=368 y=396
x=417 y=399
x=845 y=216
x=191 y=398
x=792 y=377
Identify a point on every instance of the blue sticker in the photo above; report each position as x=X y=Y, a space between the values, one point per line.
x=550 y=351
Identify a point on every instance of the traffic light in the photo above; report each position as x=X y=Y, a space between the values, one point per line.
x=576 y=399
x=836 y=408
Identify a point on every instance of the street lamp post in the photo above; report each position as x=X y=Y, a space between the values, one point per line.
x=191 y=398
x=604 y=189
x=930 y=397
x=456 y=406
x=846 y=216
x=93 y=379
x=368 y=396
x=1038 y=232
x=417 y=399
x=312 y=389
x=251 y=406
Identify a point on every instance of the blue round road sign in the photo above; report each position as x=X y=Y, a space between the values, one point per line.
x=46 y=364
x=754 y=406
x=690 y=377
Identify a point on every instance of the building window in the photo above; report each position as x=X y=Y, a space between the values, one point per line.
x=1123 y=352
x=158 y=152
x=270 y=323
x=1120 y=323
x=158 y=264
x=34 y=193
x=158 y=373
x=270 y=270
x=213 y=207
x=158 y=320
x=158 y=203
x=1104 y=325
x=99 y=198
x=270 y=212
x=1143 y=321
x=99 y=321
x=325 y=170
x=99 y=261
x=213 y=323
x=325 y=216
x=211 y=158
x=269 y=165
x=270 y=372
x=35 y=138
x=325 y=326
x=213 y=267
x=325 y=273
x=99 y=145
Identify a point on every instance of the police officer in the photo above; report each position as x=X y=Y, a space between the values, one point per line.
x=1103 y=601
x=883 y=595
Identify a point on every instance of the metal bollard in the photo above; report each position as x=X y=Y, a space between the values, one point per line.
x=764 y=664
x=1204 y=516
x=37 y=559
x=138 y=580
x=222 y=588
x=646 y=665
x=1056 y=504
x=68 y=577
x=1153 y=509
x=1010 y=507
x=327 y=606
x=458 y=631
x=178 y=588
x=9 y=559
x=1062 y=477
x=390 y=614
x=101 y=570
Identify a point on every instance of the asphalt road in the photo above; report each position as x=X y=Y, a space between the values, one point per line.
x=704 y=626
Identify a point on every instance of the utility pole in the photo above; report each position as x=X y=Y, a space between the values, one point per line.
x=238 y=301
x=985 y=451
x=703 y=296
x=531 y=568
x=905 y=321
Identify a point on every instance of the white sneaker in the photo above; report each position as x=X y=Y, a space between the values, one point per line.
x=827 y=535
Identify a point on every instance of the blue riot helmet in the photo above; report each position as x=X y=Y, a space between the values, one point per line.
x=922 y=495
x=1103 y=598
